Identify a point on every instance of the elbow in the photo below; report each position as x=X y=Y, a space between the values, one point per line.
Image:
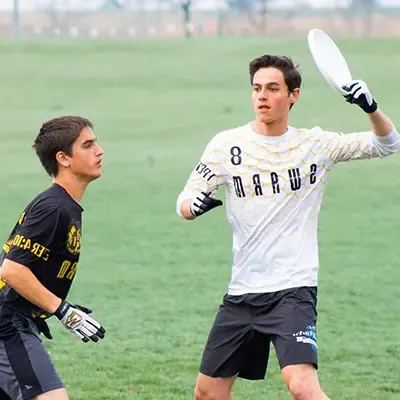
x=389 y=150
x=388 y=145
x=6 y=275
x=9 y=272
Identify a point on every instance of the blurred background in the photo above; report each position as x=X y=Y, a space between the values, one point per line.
x=171 y=18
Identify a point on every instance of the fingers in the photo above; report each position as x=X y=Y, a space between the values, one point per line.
x=86 y=333
x=84 y=309
x=358 y=93
x=92 y=330
x=46 y=332
x=81 y=335
x=356 y=88
x=204 y=203
x=349 y=86
x=369 y=98
x=212 y=203
x=43 y=327
x=75 y=318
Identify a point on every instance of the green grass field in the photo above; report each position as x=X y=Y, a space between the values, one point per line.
x=156 y=281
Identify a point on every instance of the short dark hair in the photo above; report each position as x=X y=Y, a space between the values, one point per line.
x=285 y=64
x=58 y=134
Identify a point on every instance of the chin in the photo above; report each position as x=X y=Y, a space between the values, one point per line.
x=97 y=175
x=94 y=176
x=266 y=119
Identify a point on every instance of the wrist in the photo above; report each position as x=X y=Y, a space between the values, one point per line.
x=369 y=108
x=62 y=309
x=372 y=108
x=56 y=303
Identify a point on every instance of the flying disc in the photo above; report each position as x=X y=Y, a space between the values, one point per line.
x=329 y=59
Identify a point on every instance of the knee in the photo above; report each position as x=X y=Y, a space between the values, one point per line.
x=201 y=393
x=303 y=389
x=209 y=388
x=57 y=394
x=210 y=393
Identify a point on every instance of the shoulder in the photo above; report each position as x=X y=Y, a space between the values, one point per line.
x=51 y=203
x=43 y=205
x=226 y=137
x=319 y=134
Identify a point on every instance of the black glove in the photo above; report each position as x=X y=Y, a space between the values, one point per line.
x=360 y=95
x=75 y=319
x=43 y=327
x=204 y=203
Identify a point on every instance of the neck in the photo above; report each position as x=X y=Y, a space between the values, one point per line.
x=73 y=185
x=274 y=128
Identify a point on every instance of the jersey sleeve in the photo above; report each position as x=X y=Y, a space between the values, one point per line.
x=209 y=174
x=35 y=236
x=362 y=145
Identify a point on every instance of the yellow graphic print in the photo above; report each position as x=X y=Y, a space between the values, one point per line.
x=73 y=319
x=27 y=244
x=21 y=218
x=7 y=245
x=69 y=267
x=74 y=239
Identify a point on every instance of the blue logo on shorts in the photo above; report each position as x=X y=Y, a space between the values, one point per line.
x=309 y=336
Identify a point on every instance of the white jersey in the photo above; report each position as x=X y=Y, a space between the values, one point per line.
x=274 y=188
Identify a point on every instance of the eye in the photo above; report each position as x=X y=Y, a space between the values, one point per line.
x=88 y=145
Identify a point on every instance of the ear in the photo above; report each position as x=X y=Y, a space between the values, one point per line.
x=294 y=96
x=63 y=159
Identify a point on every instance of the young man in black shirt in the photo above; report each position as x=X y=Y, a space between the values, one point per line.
x=39 y=262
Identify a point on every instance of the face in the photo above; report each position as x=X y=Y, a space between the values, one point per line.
x=271 y=98
x=86 y=156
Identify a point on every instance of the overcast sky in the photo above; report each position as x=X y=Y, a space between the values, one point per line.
x=6 y=5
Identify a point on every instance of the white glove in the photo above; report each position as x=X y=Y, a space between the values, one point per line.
x=358 y=93
x=79 y=323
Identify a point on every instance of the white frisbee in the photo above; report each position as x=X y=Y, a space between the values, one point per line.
x=329 y=59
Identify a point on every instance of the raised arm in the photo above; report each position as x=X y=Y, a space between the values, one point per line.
x=383 y=139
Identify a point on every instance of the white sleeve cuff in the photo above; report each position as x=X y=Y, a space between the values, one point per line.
x=388 y=144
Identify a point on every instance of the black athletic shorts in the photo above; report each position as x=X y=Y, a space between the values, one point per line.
x=245 y=326
x=26 y=369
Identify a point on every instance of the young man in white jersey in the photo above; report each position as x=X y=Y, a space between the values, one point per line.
x=274 y=176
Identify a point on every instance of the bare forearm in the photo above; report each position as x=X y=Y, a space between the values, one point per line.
x=24 y=282
x=185 y=210
x=381 y=125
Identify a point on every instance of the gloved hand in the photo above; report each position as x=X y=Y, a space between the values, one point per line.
x=204 y=203
x=75 y=319
x=43 y=327
x=358 y=93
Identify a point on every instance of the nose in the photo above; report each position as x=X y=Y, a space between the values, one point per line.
x=100 y=151
x=263 y=94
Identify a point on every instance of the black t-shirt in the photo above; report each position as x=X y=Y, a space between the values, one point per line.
x=47 y=240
